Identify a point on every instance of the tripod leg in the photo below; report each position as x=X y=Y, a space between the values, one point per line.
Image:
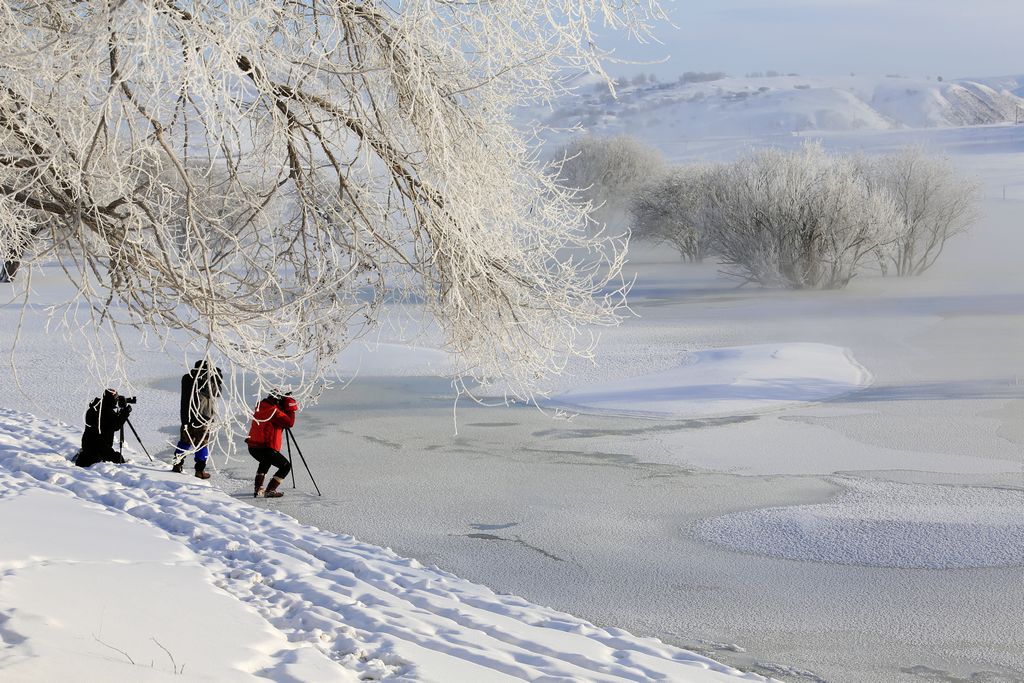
x=132 y=427
x=288 y=443
x=303 y=458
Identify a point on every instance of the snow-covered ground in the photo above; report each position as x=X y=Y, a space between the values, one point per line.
x=129 y=572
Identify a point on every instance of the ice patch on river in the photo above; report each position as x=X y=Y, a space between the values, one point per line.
x=735 y=380
x=885 y=524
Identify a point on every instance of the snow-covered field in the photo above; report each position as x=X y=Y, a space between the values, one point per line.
x=874 y=536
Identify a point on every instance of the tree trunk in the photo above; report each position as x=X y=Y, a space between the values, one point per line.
x=9 y=270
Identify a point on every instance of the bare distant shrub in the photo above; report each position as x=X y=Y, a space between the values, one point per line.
x=935 y=204
x=606 y=172
x=702 y=76
x=800 y=219
x=673 y=210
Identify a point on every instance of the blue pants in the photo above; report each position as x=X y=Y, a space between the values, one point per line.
x=182 y=448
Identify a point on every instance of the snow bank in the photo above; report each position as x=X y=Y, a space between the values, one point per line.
x=90 y=595
x=728 y=381
x=132 y=573
x=886 y=524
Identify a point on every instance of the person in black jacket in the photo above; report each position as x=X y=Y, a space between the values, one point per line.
x=199 y=389
x=104 y=418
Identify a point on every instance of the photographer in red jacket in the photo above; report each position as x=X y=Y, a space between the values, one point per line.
x=274 y=414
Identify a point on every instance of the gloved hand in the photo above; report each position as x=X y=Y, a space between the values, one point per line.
x=289 y=404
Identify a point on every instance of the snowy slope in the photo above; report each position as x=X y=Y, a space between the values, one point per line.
x=751 y=107
x=1014 y=84
x=932 y=105
x=132 y=573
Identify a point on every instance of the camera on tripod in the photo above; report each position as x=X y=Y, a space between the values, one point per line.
x=123 y=401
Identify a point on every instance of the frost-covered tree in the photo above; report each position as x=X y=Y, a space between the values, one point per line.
x=672 y=209
x=801 y=219
x=606 y=173
x=265 y=175
x=934 y=201
x=702 y=76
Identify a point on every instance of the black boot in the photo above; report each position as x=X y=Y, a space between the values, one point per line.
x=177 y=466
x=272 y=491
x=201 y=470
x=259 y=485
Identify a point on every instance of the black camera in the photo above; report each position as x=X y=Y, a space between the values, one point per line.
x=279 y=398
x=122 y=401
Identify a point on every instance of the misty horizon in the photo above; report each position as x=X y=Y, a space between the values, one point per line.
x=914 y=39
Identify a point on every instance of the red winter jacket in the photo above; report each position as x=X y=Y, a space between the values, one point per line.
x=270 y=420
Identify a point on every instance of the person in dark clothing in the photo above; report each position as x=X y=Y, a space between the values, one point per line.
x=199 y=389
x=273 y=415
x=104 y=418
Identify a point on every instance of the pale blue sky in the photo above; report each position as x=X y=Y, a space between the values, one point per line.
x=951 y=38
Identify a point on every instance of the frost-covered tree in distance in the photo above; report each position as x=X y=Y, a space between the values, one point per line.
x=672 y=209
x=267 y=175
x=801 y=219
x=934 y=201
x=607 y=172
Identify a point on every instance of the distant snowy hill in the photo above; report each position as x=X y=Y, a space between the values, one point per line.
x=758 y=106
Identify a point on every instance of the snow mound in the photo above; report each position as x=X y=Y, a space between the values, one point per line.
x=130 y=572
x=728 y=381
x=885 y=524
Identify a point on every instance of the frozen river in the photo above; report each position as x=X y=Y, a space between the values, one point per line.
x=601 y=516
